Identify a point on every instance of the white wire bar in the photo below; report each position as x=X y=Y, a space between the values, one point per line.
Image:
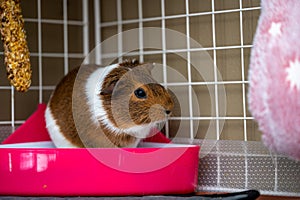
x=141 y=36
x=216 y=87
x=202 y=118
x=243 y=91
x=215 y=69
x=190 y=98
x=66 y=49
x=12 y=122
x=147 y=52
x=97 y=16
x=164 y=55
x=243 y=71
x=55 y=21
x=120 y=35
x=131 y=21
x=39 y=53
x=85 y=21
x=166 y=51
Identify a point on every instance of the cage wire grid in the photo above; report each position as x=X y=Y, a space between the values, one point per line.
x=230 y=165
x=164 y=51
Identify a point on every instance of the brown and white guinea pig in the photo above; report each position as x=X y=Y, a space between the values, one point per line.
x=112 y=106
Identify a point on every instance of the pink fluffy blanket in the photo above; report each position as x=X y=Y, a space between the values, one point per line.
x=274 y=76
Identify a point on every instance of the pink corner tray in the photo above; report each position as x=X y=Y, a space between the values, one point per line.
x=30 y=165
x=39 y=169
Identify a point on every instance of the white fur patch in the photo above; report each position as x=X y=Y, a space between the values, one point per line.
x=92 y=90
x=140 y=131
x=56 y=135
x=93 y=87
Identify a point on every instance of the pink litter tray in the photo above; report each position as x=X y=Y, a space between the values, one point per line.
x=31 y=165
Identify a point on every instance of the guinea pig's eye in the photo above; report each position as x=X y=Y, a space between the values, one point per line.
x=140 y=93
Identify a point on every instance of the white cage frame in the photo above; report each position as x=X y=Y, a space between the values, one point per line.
x=250 y=159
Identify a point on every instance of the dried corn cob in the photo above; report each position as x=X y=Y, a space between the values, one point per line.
x=16 y=51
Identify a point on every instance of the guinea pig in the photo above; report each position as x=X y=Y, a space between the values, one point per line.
x=113 y=106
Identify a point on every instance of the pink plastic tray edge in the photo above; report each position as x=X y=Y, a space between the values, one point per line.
x=34 y=171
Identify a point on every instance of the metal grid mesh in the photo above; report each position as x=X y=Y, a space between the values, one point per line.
x=187 y=19
x=234 y=166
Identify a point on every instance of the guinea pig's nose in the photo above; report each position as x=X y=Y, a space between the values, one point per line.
x=168 y=112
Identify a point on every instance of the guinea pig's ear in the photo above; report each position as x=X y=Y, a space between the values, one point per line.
x=130 y=63
x=148 y=67
x=108 y=88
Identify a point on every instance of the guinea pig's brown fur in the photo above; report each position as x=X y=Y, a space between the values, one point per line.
x=127 y=106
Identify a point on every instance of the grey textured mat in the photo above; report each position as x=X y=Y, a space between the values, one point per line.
x=5 y=131
x=231 y=166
